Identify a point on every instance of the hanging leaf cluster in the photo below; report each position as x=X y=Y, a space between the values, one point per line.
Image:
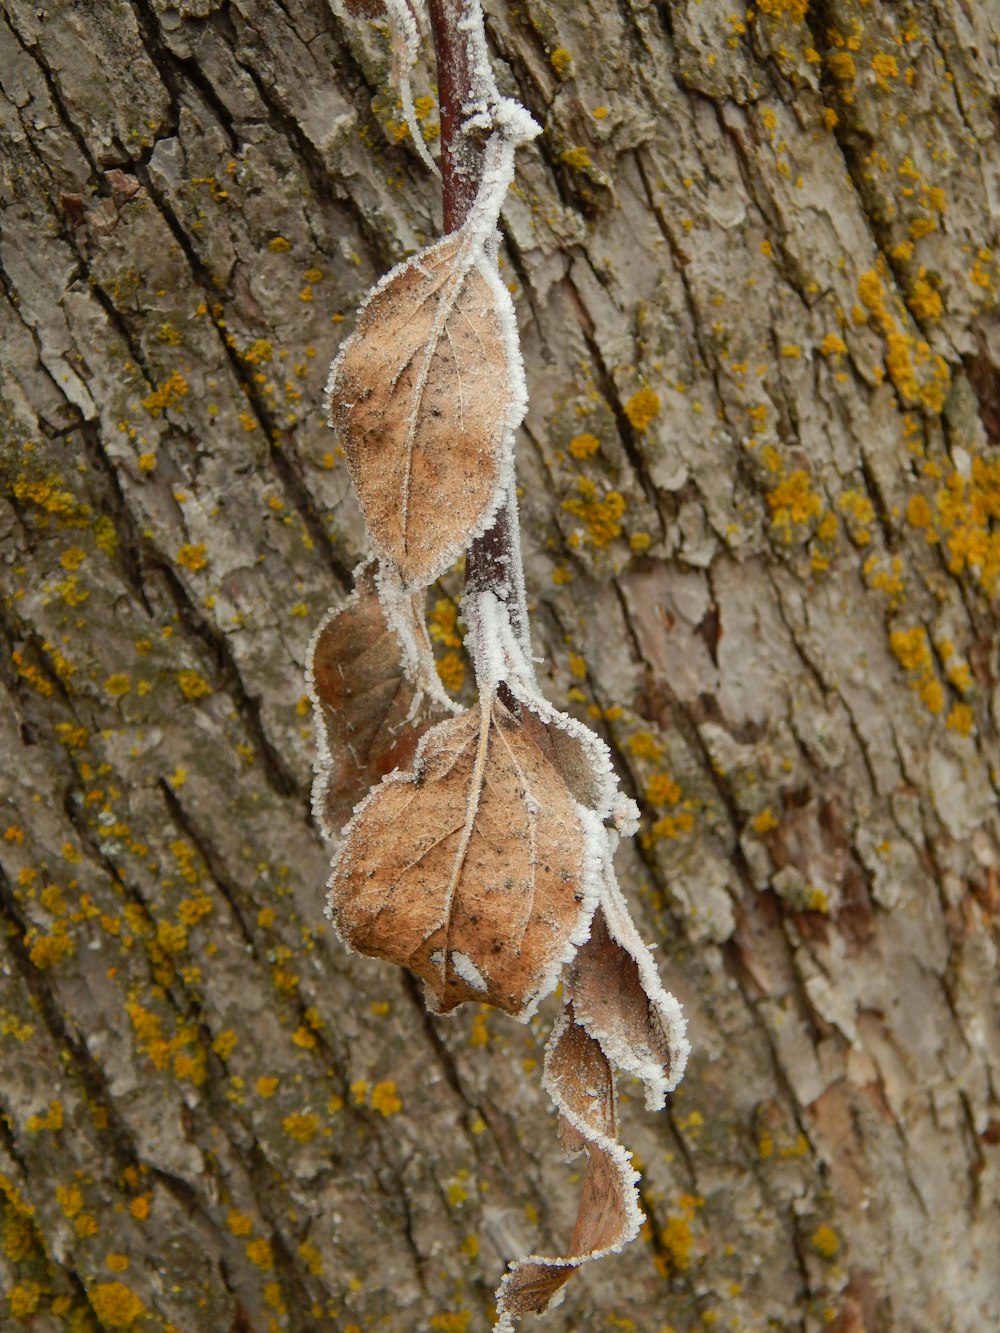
x=474 y=847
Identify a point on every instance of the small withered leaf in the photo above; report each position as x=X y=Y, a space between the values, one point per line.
x=370 y=711
x=618 y=998
x=470 y=870
x=424 y=395
x=581 y=1083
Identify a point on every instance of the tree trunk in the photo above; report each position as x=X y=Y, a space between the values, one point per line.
x=753 y=258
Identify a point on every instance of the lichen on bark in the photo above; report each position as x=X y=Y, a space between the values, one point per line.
x=755 y=260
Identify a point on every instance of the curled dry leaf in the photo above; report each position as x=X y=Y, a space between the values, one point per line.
x=581 y=1083
x=616 y=1014
x=473 y=870
x=424 y=396
x=370 y=710
x=618 y=998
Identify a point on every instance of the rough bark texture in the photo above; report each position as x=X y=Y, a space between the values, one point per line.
x=754 y=262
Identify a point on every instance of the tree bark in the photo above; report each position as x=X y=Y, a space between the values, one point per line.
x=754 y=258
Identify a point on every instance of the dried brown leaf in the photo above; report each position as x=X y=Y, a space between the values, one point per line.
x=618 y=998
x=472 y=870
x=581 y=1083
x=370 y=712
x=616 y=1014
x=424 y=395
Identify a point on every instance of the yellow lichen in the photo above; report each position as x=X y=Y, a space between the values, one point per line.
x=642 y=744
x=24 y=1299
x=193 y=685
x=672 y=826
x=192 y=557
x=793 y=502
x=793 y=10
x=312 y=1258
x=70 y=1199
x=918 y=512
x=886 y=68
x=841 y=66
x=273 y=1297
x=301 y=1126
x=860 y=512
x=457 y=1322
x=578 y=159
x=239 y=1223
x=833 y=345
x=52 y=1120
x=577 y=667
x=480 y=1034
x=166 y=395
x=600 y=516
x=561 y=61
x=170 y=937
x=45 y=494
x=888 y=580
x=47 y=951
x=259 y=1252
x=968 y=512
x=678 y=1243
x=960 y=719
x=911 y=647
x=643 y=408
x=117 y=685
x=584 y=446
x=115 y=1305
x=19 y=1239
x=924 y=301
x=451 y=671
x=384 y=1098
x=825 y=1241
x=225 y=1043
x=662 y=790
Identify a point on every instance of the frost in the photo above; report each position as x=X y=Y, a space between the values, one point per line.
x=467 y=970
